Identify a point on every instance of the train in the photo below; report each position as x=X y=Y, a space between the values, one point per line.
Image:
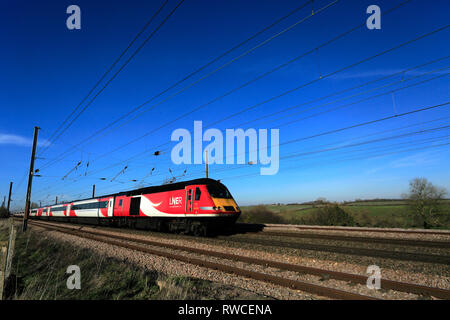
x=199 y=207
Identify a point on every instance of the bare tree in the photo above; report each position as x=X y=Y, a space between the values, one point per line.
x=424 y=200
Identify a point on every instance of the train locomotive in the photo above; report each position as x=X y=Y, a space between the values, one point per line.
x=199 y=207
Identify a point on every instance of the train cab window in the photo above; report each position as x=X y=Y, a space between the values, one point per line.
x=120 y=202
x=218 y=191
x=198 y=194
x=135 y=205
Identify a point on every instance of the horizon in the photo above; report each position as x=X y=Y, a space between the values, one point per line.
x=349 y=128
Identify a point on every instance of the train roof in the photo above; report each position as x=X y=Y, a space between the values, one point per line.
x=151 y=189
x=166 y=187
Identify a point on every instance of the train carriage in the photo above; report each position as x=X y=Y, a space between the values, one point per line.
x=196 y=206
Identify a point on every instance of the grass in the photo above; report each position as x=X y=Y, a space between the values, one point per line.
x=39 y=273
x=376 y=213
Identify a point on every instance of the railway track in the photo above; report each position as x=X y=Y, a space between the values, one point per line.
x=361 y=229
x=389 y=241
x=358 y=251
x=124 y=242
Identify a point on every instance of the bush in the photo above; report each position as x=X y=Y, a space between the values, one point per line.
x=331 y=215
x=363 y=220
x=260 y=214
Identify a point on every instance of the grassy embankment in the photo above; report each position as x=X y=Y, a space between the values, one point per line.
x=40 y=264
x=384 y=213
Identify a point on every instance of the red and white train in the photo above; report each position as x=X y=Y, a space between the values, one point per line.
x=196 y=206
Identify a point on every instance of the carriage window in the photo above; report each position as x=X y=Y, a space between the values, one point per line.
x=54 y=209
x=120 y=203
x=198 y=193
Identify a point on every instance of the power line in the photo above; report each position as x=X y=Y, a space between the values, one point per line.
x=362 y=100
x=372 y=97
x=334 y=161
x=356 y=102
x=422 y=36
x=141 y=153
x=107 y=71
x=214 y=71
x=366 y=142
x=196 y=72
x=345 y=90
x=331 y=74
x=352 y=159
x=288 y=91
x=364 y=124
x=120 y=69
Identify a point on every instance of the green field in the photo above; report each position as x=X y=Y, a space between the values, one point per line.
x=376 y=213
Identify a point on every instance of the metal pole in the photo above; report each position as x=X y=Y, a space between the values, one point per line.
x=206 y=164
x=9 y=197
x=56 y=200
x=93 y=191
x=30 y=180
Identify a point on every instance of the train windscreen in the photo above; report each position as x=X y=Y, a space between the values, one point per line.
x=218 y=191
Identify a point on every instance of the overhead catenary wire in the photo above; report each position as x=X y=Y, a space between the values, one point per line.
x=196 y=71
x=331 y=74
x=363 y=99
x=359 y=158
x=209 y=74
x=118 y=71
x=366 y=156
x=288 y=91
x=104 y=74
x=418 y=110
x=275 y=69
x=145 y=151
x=402 y=72
x=366 y=83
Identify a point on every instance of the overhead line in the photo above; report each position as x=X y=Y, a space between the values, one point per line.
x=204 y=77
x=332 y=73
x=145 y=151
x=104 y=75
x=195 y=72
x=360 y=158
x=120 y=69
x=356 y=102
x=345 y=90
x=440 y=29
x=365 y=123
x=288 y=91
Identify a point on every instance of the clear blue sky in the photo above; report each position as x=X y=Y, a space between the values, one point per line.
x=46 y=70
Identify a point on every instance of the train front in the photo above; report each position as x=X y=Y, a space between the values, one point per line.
x=220 y=205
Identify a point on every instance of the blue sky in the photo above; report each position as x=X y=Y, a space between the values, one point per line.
x=48 y=69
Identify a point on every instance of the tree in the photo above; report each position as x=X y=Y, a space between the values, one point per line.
x=321 y=200
x=424 y=200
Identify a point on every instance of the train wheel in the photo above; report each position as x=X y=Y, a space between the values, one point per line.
x=199 y=230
